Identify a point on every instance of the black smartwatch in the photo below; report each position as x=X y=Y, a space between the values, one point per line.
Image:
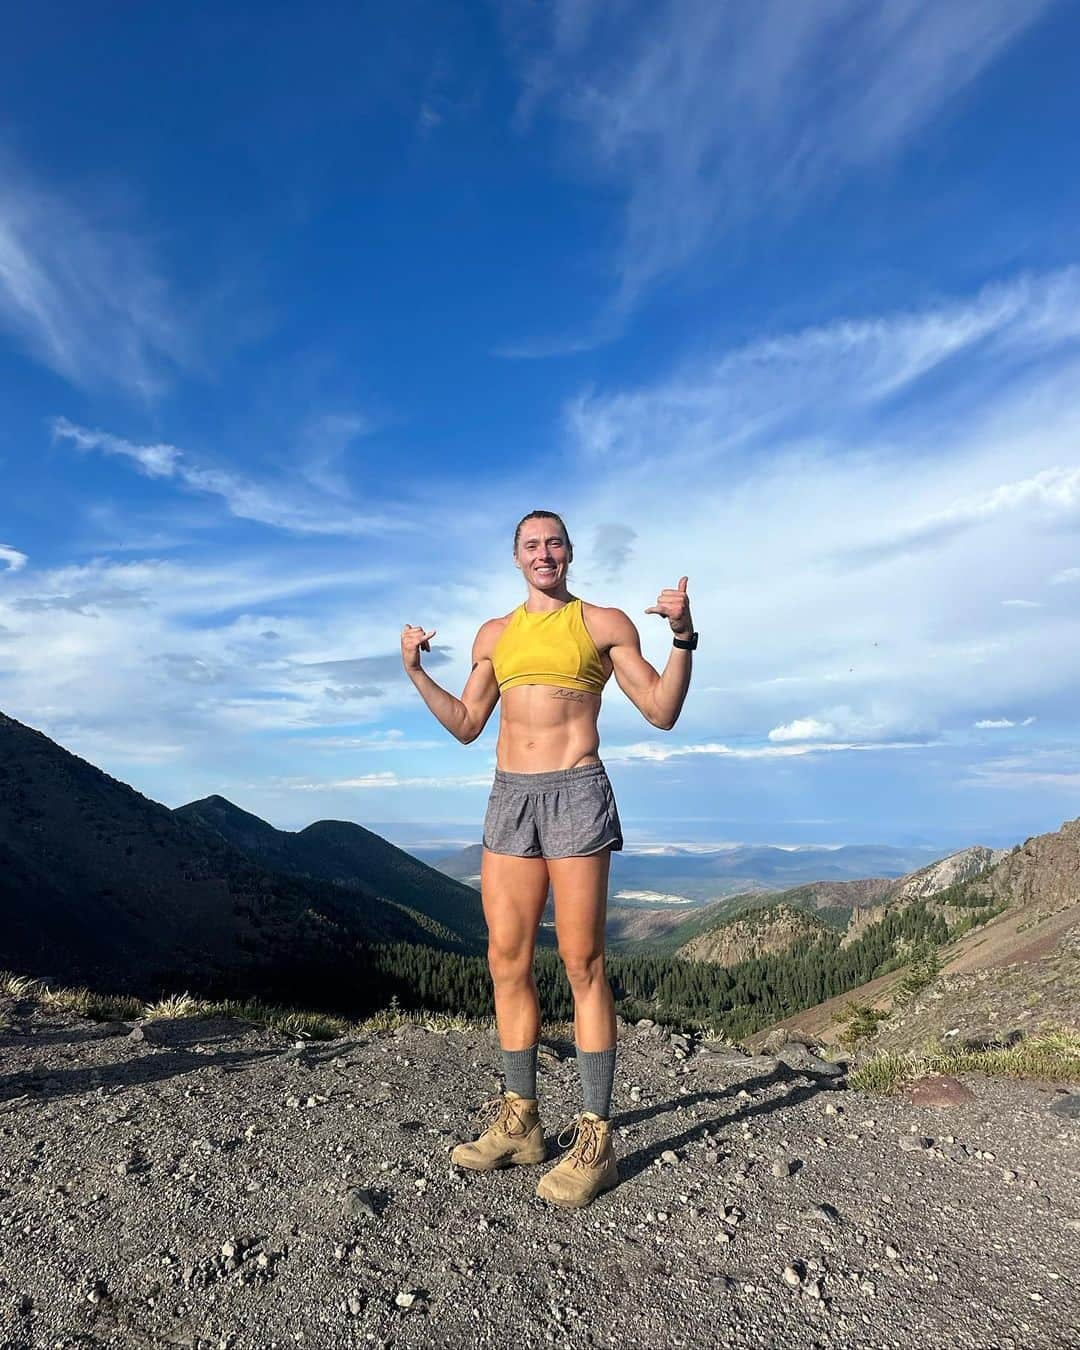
x=687 y=644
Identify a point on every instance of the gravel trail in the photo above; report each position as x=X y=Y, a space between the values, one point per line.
x=207 y=1183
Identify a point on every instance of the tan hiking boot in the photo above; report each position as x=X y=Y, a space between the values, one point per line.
x=588 y=1167
x=513 y=1136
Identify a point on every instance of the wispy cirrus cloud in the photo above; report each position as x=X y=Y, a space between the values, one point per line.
x=705 y=116
x=822 y=380
x=288 y=506
x=845 y=527
x=1048 y=768
x=1052 y=495
x=83 y=292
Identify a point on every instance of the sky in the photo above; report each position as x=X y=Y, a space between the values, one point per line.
x=301 y=308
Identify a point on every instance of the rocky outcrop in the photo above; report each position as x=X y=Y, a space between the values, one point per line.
x=861 y=919
x=957 y=867
x=1044 y=871
x=764 y=932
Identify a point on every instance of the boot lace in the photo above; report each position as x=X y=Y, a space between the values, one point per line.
x=585 y=1142
x=499 y=1114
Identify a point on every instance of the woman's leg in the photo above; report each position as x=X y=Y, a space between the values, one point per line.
x=589 y=1167
x=514 y=892
x=581 y=887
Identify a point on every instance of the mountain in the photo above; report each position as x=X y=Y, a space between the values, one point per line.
x=763 y=932
x=951 y=871
x=101 y=885
x=1012 y=964
x=354 y=858
x=464 y=864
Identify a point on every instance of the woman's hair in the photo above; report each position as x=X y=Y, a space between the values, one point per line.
x=545 y=515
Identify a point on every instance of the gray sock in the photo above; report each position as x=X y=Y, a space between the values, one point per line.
x=519 y=1070
x=597 y=1070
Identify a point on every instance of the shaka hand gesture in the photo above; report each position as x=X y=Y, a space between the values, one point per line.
x=414 y=640
x=674 y=605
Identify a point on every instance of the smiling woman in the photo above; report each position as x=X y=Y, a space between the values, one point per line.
x=552 y=821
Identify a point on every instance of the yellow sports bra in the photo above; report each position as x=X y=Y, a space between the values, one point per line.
x=549 y=647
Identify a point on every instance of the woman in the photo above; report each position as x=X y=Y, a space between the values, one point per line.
x=552 y=818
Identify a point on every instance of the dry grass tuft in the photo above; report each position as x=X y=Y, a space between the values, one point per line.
x=176 y=1005
x=18 y=986
x=1053 y=1055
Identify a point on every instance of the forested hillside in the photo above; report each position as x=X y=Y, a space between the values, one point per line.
x=735 y=1000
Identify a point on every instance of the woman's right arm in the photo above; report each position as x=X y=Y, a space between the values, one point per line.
x=464 y=717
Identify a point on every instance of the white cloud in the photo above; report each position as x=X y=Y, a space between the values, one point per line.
x=12 y=558
x=705 y=116
x=816 y=382
x=1052 y=495
x=652 y=751
x=1065 y=576
x=1049 y=768
x=388 y=779
x=802 y=729
x=787 y=483
x=994 y=722
x=83 y=292
x=1024 y=604
x=391 y=739
x=281 y=505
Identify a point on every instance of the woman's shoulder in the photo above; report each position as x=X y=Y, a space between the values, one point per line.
x=492 y=629
x=604 y=618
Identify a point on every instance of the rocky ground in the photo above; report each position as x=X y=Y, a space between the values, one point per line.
x=212 y=1184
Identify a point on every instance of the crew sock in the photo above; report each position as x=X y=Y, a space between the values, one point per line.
x=519 y=1071
x=597 y=1070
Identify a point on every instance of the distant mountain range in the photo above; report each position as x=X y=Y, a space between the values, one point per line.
x=666 y=896
x=100 y=885
x=700 y=875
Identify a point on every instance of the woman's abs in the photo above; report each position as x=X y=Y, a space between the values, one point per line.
x=543 y=728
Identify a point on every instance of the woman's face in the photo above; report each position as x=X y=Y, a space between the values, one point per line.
x=542 y=553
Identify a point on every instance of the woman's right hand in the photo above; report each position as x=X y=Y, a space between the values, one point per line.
x=414 y=640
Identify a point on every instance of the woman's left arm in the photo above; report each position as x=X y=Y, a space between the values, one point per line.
x=659 y=697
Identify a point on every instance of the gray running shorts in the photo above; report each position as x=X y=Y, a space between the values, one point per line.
x=564 y=814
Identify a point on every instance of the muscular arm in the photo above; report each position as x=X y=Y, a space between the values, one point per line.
x=464 y=717
x=658 y=697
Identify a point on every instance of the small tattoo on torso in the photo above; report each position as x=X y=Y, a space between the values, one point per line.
x=571 y=694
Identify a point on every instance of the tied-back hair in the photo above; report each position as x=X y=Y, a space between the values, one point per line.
x=546 y=515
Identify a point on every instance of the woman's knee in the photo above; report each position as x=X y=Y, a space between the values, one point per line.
x=584 y=968
x=510 y=963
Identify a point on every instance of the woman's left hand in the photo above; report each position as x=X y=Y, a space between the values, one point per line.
x=674 y=605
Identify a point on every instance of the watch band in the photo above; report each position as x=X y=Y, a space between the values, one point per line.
x=687 y=644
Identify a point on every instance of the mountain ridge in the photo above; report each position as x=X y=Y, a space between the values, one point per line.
x=101 y=885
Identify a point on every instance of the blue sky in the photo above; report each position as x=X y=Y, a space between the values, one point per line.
x=300 y=310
